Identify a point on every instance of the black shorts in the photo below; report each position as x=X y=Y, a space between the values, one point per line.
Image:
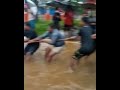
x=31 y=48
x=83 y=52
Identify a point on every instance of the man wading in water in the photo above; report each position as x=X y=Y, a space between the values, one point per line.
x=88 y=44
x=54 y=44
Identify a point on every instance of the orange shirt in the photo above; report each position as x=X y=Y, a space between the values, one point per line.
x=25 y=17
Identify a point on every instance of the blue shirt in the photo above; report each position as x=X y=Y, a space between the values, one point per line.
x=55 y=36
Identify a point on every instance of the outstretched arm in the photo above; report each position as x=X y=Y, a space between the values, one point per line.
x=70 y=38
x=38 y=39
x=53 y=40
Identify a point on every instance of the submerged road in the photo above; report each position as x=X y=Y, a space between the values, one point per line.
x=39 y=75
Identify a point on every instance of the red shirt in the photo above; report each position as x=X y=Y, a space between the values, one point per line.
x=68 y=18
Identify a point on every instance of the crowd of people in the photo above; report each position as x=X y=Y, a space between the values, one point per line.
x=54 y=38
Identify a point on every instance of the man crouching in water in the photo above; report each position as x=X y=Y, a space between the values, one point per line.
x=30 y=48
x=55 y=45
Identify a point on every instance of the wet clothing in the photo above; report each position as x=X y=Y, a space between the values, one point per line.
x=88 y=45
x=55 y=36
x=31 y=48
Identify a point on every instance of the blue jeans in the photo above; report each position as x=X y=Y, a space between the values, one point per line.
x=32 y=24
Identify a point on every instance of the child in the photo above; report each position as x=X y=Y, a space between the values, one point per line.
x=55 y=45
x=88 y=44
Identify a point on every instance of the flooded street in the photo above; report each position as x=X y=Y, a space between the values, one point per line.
x=39 y=75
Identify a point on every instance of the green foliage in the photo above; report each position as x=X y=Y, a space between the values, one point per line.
x=41 y=26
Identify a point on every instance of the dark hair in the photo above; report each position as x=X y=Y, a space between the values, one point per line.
x=86 y=20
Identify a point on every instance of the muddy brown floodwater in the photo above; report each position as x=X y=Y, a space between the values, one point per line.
x=38 y=75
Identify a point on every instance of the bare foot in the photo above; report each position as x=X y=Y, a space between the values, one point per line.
x=70 y=70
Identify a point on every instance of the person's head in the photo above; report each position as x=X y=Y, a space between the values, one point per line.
x=84 y=21
x=52 y=27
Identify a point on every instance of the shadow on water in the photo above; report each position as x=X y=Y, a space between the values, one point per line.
x=38 y=75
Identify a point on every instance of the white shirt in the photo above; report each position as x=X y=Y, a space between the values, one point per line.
x=33 y=10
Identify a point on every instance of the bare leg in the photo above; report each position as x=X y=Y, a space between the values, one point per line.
x=73 y=64
x=50 y=57
x=52 y=53
x=27 y=56
x=48 y=50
